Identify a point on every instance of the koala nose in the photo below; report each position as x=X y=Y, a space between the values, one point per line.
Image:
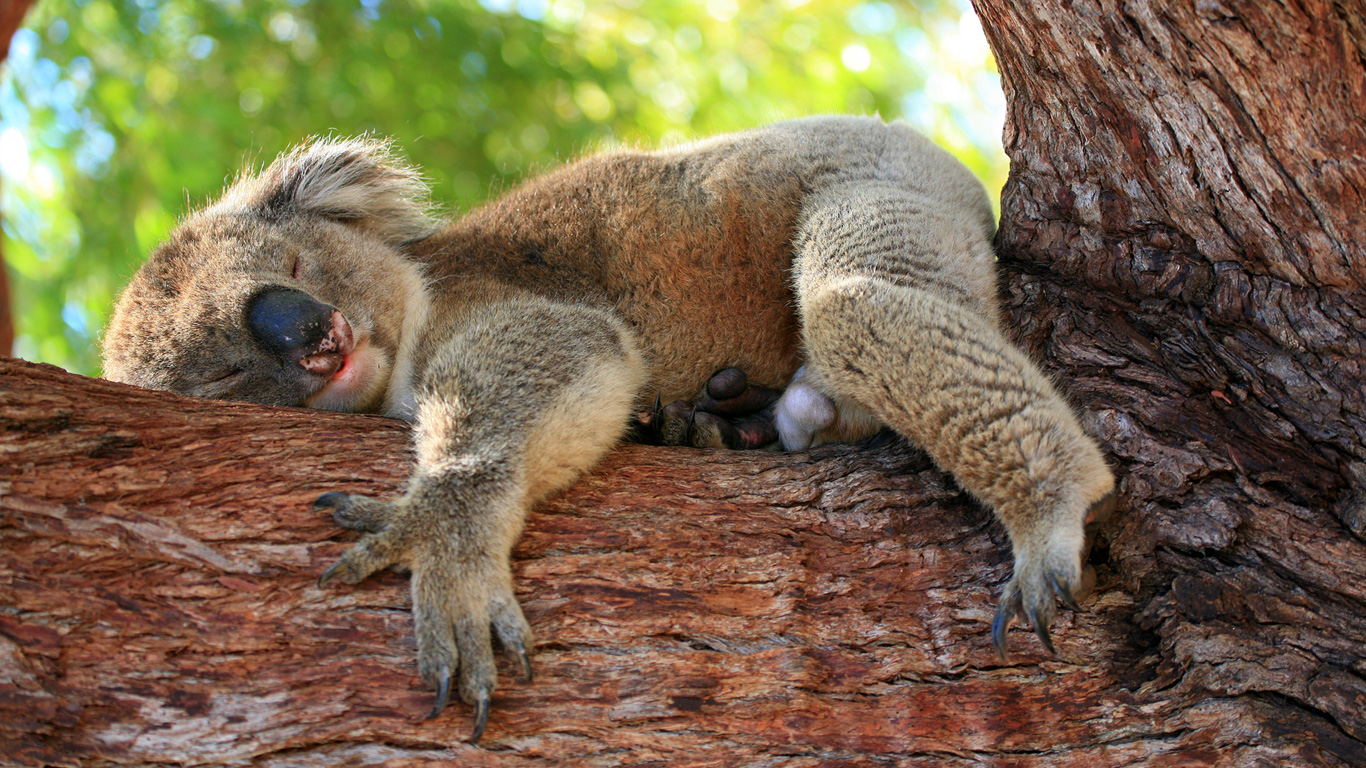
x=294 y=325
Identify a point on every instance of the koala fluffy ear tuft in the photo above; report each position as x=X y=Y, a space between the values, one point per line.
x=353 y=180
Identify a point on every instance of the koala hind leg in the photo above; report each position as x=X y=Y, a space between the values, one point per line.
x=892 y=321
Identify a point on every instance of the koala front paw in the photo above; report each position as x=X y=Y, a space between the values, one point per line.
x=460 y=591
x=1051 y=569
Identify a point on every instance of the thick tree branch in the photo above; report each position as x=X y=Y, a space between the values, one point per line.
x=158 y=583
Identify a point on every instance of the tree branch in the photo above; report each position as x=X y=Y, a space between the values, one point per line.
x=160 y=557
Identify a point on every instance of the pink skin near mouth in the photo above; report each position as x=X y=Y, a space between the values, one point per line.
x=351 y=374
x=348 y=384
x=333 y=350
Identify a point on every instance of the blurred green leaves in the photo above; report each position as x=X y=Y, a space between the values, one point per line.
x=118 y=115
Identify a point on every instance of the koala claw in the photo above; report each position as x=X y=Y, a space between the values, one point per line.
x=1031 y=598
x=1041 y=629
x=331 y=500
x=1063 y=594
x=1060 y=572
x=331 y=574
x=481 y=714
x=1039 y=615
x=358 y=513
x=443 y=697
x=518 y=649
x=358 y=562
x=443 y=692
x=1030 y=595
x=461 y=597
x=999 y=624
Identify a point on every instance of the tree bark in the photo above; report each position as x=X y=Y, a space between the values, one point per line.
x=695 y=607
x=11 y=16
x=1179 y=242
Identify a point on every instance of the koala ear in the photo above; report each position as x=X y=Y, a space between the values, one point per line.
x=353 y=180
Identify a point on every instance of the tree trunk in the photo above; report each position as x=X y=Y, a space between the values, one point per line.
x=11 y=16
x=1180 y=242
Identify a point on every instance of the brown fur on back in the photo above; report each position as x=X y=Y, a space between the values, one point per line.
x=693 y=254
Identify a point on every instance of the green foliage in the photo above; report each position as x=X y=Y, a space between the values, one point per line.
x=118 y=115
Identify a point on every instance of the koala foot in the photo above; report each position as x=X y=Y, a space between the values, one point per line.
x=802 y=413
x=728 y=413
x=1055 y=569
x=459 y=593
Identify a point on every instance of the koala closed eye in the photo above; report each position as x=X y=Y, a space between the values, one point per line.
x=219 y=383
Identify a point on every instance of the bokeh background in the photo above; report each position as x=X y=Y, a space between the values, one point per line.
x=116 y=116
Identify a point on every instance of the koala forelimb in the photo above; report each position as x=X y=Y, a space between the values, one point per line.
x=522 y=338
x=527 y=394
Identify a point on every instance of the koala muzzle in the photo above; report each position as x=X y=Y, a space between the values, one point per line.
x=301 y=329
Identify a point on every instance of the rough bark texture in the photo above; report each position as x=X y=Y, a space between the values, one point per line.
x=1180 y=242
x=695 y=608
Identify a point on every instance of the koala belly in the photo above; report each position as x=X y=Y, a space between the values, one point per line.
x=693 y=322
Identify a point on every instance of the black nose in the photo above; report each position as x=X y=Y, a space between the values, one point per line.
x=289 y=322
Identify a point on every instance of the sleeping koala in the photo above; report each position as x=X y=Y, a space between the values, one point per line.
x=523 y=339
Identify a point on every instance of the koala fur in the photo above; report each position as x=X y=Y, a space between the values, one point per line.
x=519 y=339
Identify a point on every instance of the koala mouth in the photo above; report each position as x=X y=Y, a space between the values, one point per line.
x=348 y=366
x=333 y=352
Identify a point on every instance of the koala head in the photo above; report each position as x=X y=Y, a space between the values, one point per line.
x=291 y=289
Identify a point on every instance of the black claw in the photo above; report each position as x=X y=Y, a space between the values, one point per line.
x=658 y=408
x=333 y=500
x=443 y=693
x=999 y=625
x=331 y=574
x=692 y=421
x=1041 y=629
x=481 y=714
x=1064 y=594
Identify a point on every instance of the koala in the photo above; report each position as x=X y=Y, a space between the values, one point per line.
x=844 y=261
